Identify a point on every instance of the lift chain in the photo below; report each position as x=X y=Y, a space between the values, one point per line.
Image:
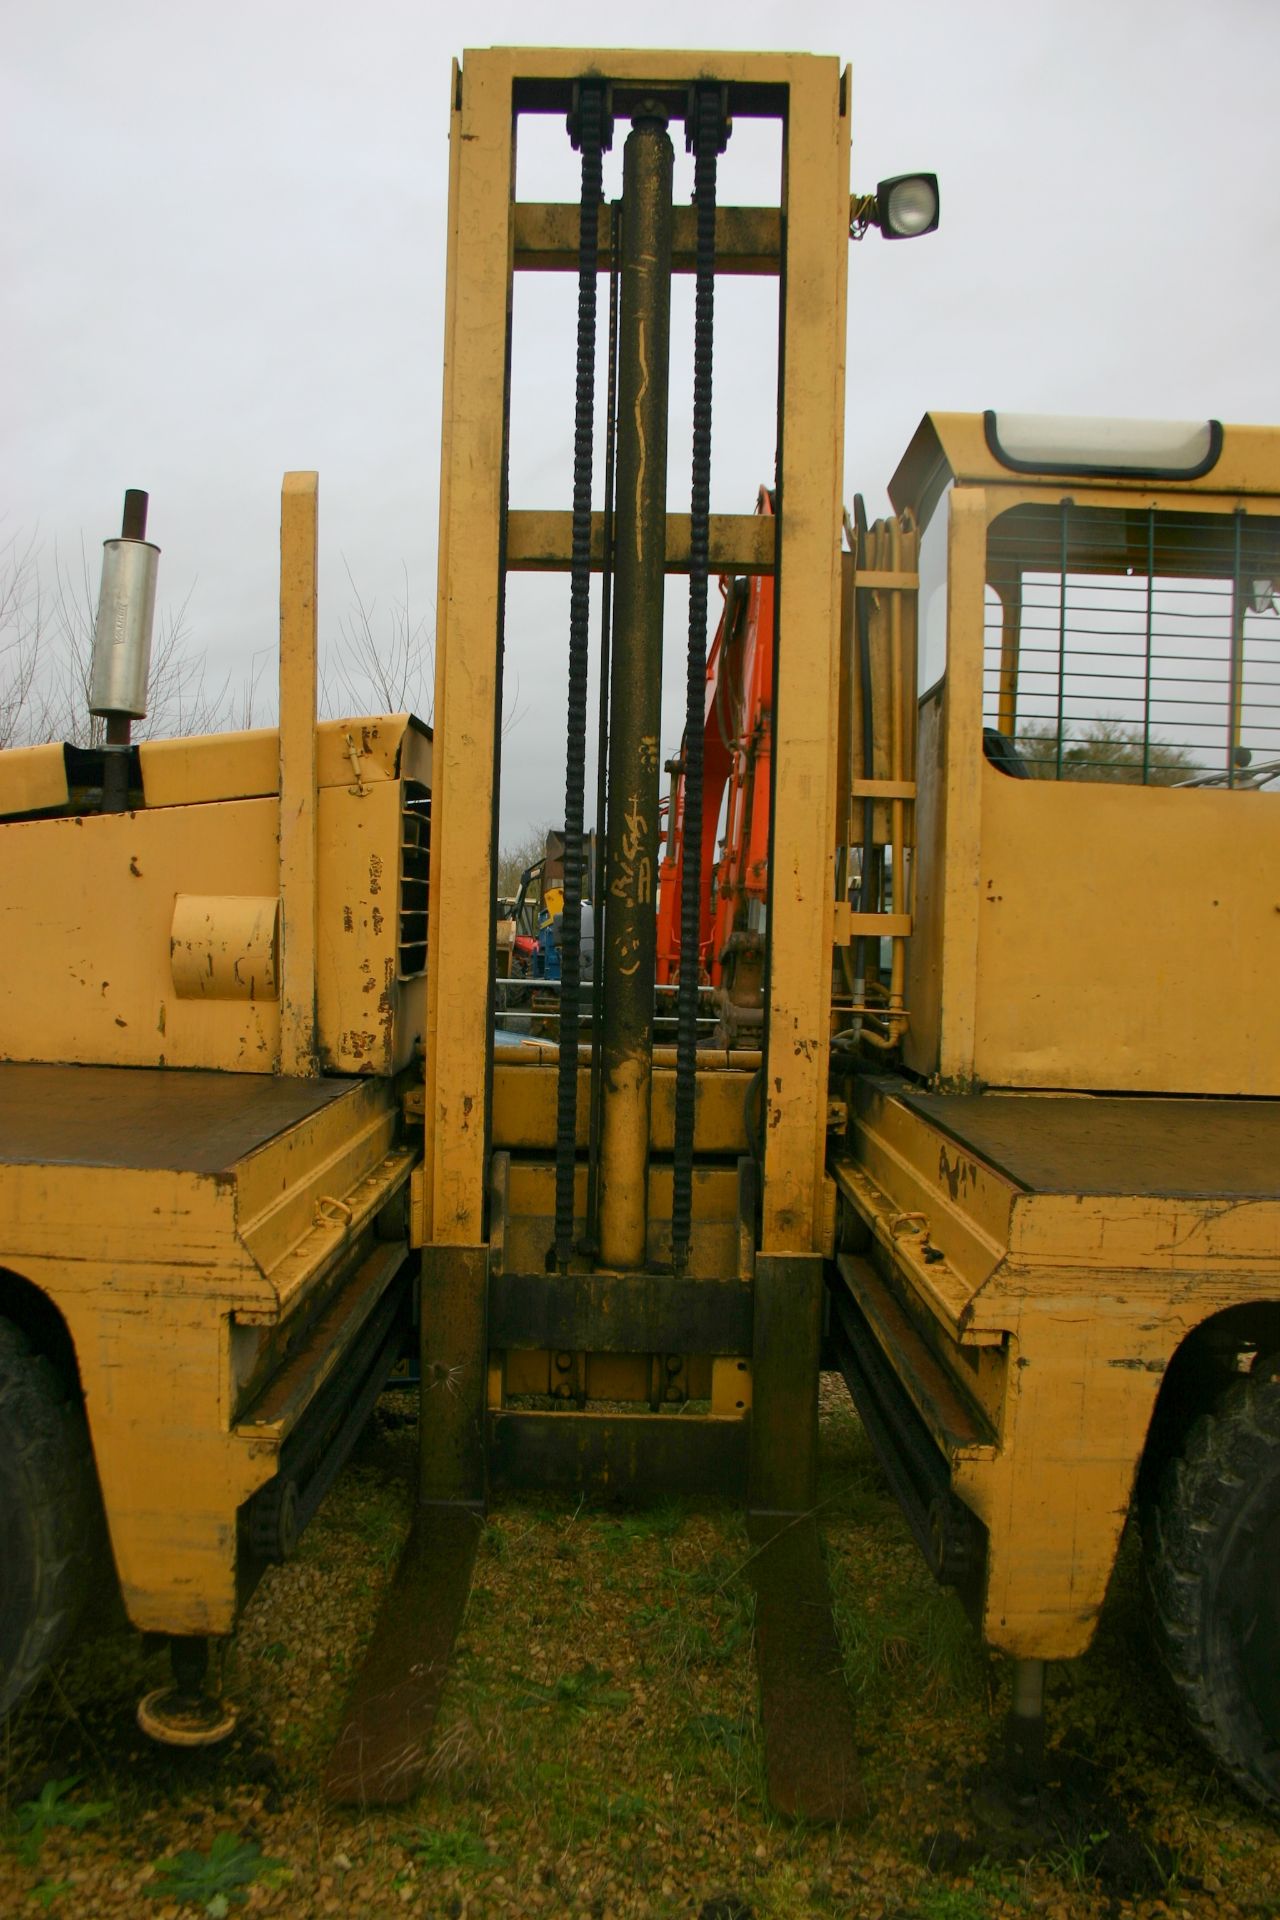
x=706 y=132
x=587 y=128
x=591 y=1245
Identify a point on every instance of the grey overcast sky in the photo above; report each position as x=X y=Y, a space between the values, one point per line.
x=223 y=250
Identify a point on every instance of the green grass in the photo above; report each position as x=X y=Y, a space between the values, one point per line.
x=905 y=1636
x=216 y=1880
x=445 y=1848
x=620 y=1532
x=53 y=1807
x=581 y=1691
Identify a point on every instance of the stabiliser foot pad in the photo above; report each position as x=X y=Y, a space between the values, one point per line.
x=811 y=1764
x=380 y=1755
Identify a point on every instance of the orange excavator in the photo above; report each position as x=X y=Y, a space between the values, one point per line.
x=737 y=736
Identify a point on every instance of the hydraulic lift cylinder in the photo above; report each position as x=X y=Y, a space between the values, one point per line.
x=635 y=695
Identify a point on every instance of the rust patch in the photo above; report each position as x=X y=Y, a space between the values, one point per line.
x=957 y=1175
x=381 y=1752
x=134 y=868
x=375 y=873
x=378 y=918
x=348 y=920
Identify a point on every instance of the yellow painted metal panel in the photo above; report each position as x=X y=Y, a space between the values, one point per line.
x=920 y=1042
x=539 y=541
x=225 y=946
x=226 y=766
x=460 y=928
x=85 y=922
x=802 y=890
x=370 y=1020
x=748 y=239
x=962 y=764
x=148 y=1265
x=242 y=766
x=1088 y=1304
x=365 y=750
x=531 y=1213
x=524 y=1109
x=1056 y=1497
x=299 y=533
x=1129 y=939
x=32 y=779
x=654 y=66
x=848 y=925
x=949 y=445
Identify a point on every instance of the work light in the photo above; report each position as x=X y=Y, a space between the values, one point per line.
x=907 y=205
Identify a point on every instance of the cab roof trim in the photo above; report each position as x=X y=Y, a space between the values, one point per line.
x=998 y=449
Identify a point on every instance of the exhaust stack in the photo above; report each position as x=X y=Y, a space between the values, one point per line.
x=122 y=643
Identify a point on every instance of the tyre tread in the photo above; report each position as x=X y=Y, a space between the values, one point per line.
x=1228 y=1449
x=43 y=1431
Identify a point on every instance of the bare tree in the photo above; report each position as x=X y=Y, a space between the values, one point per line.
x=522 y=853
x=1102 y=750
x=23 y=696
x=389 y=666
x=391 y=670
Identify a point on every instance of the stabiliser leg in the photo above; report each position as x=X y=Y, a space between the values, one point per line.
x=810 y=1757
x=380 y=1755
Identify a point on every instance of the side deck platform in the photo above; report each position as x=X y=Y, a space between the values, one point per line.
x=1023 y=1268
x=149 y=1117
x=1206 y=1149
x=227 y=1251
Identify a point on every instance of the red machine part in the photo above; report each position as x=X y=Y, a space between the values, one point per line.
x=737 y=740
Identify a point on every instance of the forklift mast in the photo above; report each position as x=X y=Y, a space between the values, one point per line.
x=623 y=1243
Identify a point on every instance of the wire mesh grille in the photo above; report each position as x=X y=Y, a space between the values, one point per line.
x=415 y=878
x=1135 y=645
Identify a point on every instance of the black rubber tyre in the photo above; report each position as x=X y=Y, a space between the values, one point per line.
x=48 y=1507
x=1213 y=1577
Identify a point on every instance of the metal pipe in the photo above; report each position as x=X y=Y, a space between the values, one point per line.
x=1024 y=1727
x=1239 y=606
x=122 y=644
x=897 y=807
x=635 y=694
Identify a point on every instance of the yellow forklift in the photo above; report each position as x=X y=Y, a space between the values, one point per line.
x=623 y=1243
x=1056 y=1292
x=994 y=1157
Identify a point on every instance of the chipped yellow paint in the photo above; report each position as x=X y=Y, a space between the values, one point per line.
x=299 y=536
x=33 y=779
x=225 y=946
x=158 y=1274
x=802 y=878
x=947 y=445
x=1028 y=966
x=87 y=921
x=1058 y=1314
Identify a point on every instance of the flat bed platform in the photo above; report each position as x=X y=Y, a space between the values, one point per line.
x=150 y=1118
x=1112 y=1144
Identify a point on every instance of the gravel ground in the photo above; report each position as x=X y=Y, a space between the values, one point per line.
x=598 y=1752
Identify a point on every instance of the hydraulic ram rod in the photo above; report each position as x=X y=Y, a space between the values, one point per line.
x=635 y=694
